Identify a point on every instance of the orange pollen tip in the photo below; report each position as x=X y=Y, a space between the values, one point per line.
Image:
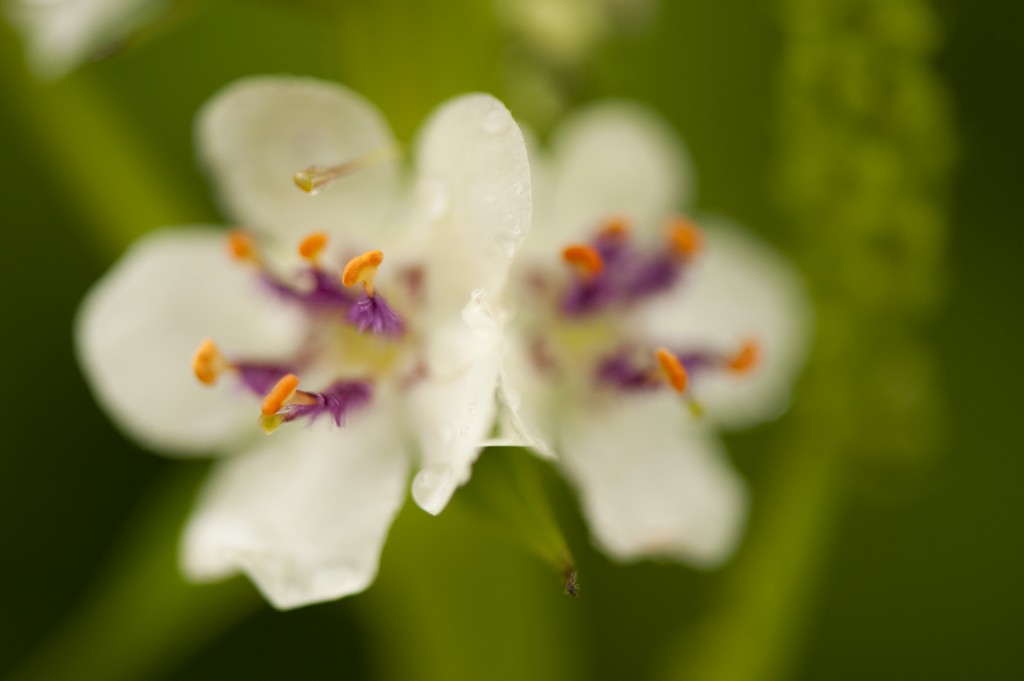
x=362 y=268
x=615 y=227
x=747 y=359
x=684 y=237
x=675 y=372
x=584 y=258
x=313 y=245
x=279 y=394
x=207 y=363
x=241 y=245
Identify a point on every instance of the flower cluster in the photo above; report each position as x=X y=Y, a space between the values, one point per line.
x=376 y=320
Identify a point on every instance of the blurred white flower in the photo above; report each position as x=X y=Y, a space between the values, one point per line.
x=638 y=333
x=61 y=34
x=566 y=32
x=383 y=372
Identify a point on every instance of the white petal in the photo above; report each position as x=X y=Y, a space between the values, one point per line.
x=611 y=159
x=305 y=513
x=452 y=410
x=255 y=134
x=739 y=288
x=473 y=198
x=138 y=328
x=651 y=484
x=527 y=413
x=539 y=243
x=60 y=34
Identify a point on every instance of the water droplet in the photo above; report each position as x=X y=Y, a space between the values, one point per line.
x=433 y=486
x=517 y=189
x=495 y=122
x=434 y=197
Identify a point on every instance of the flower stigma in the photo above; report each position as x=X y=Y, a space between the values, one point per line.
x=315 y=177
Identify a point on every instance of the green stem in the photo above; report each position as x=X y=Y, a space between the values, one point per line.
x=460 y=600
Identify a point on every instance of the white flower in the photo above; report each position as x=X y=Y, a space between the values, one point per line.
x=568 y=31
x=638 y=334
x=399 y=370
x=60 y=34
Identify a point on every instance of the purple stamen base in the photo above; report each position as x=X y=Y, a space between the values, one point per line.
x=326 y=293
x=338 y=400
x=647 y=277
x=587 y=296
x=618 y=371
x=622 y=371
x=260 y=378
x=373 y=314
x=629 y=276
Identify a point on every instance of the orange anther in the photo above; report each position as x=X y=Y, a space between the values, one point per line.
x=584 y=258
x=208 y=363
x=684 y=237
x=675 y=372
x=241 y=245
x=362 y=268
x=313 y=245
x=746 y=359
x=279 y=394
x=616 y=227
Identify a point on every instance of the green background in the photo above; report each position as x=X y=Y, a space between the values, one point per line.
x=884 y=543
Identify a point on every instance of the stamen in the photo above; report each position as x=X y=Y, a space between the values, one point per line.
x=746 y=359
x=672 y=368
x=316 y=177
x=615 y=227
x=684 y=237
x=279 y=395
x=284 y=394
x=312 y=246
x=584 y=258
x=338 y=400
x=242 y=247
x=362 y=269
x=208 y=362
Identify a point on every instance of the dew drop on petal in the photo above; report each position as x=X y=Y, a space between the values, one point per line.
x=495 y=122
x=433 y=486
x=517 y=189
